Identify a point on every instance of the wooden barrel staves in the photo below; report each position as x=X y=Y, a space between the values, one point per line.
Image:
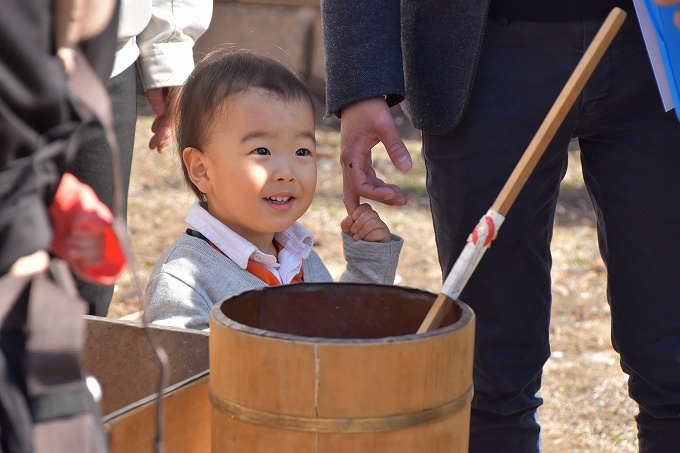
x=337 y=367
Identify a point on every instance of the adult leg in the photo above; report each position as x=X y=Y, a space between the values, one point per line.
x=631 y=161
x=510 y=291
x=93 y=166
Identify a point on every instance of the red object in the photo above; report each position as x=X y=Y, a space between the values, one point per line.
x=76 y=203
x=490 y=226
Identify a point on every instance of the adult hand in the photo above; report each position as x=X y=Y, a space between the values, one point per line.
x=85 y=245
x=163 y=101
x=668 y=3
x=82 y=232
x=364 y=124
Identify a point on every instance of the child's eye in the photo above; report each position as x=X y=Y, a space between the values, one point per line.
x=261 y=151
x=303 y=152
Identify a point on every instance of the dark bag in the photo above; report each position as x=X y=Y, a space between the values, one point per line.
x=45 y=405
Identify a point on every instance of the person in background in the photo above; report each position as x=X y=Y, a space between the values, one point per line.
x=44 y=208
x=245 y=132
x=157 y=38
x=478 y=78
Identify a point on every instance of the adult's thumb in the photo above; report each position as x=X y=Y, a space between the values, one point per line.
x=397 y=151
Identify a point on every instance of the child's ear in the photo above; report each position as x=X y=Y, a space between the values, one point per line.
x=195 y=163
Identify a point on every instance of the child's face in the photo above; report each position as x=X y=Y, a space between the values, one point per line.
x=258 y=168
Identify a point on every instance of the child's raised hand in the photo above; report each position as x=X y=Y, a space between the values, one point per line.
x=365 y=224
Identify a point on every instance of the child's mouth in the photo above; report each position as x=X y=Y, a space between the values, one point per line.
x=279 y=200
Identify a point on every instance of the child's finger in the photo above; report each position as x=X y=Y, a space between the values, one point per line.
x=378 y=235
x=89 y=221
x=85 y=247
x=94 y=261
x=368 y=226
x=83 y=250
x=346 y=225
x=85 y=256
x=360 y=210
x=371 y=229
x=363 y=217
x=86 y=241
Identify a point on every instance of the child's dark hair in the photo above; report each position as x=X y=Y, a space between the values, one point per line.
x=220 y=75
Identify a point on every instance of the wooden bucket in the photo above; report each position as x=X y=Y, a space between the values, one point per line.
x=338 y=368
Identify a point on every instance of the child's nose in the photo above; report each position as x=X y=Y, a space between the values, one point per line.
x=284 y=171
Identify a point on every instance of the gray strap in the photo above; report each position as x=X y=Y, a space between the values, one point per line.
x=58 y=397
x=60 y=404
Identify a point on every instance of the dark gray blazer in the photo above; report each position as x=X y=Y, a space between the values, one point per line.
x=423 y=51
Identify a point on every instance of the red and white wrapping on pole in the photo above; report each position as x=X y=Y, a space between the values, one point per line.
x=477 y=243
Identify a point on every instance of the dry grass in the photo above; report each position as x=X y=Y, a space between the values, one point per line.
x=586 y=404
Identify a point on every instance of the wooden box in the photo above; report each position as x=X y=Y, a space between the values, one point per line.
x=119 y=354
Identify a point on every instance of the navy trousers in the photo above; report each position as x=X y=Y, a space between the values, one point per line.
x=630 y=155
x=93 y=166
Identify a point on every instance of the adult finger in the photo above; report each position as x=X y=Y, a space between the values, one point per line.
x=156 y=98
x=360 y=210
x=163 y=135
x=349 y=197
x=359 y=181
x=163 y=101
x=375 y=118
x=396 y=149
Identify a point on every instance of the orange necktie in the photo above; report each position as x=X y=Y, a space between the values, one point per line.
x=266 y=275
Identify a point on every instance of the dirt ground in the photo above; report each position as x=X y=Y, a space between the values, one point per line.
x=586 y=404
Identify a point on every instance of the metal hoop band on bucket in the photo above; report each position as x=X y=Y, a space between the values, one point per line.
x=341 y=425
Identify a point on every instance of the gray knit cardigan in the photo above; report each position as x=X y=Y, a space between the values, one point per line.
x=191 y=277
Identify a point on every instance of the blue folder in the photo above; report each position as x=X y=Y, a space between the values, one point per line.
x=668 y=37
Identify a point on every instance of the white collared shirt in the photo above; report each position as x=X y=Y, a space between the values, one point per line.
x=297 y=242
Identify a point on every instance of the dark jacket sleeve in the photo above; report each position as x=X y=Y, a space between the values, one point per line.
x=362 y=41
x=422 y=51
x=442 y=41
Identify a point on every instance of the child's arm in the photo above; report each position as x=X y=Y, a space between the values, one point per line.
x=365 y=225
x=371 y=251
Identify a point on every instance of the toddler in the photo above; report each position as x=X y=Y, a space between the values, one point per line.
x=245 y=130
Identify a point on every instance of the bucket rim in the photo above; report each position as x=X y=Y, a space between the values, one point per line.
x=467 y=317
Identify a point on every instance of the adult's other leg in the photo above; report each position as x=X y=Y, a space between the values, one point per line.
x=93 y=166
x=631 y=161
